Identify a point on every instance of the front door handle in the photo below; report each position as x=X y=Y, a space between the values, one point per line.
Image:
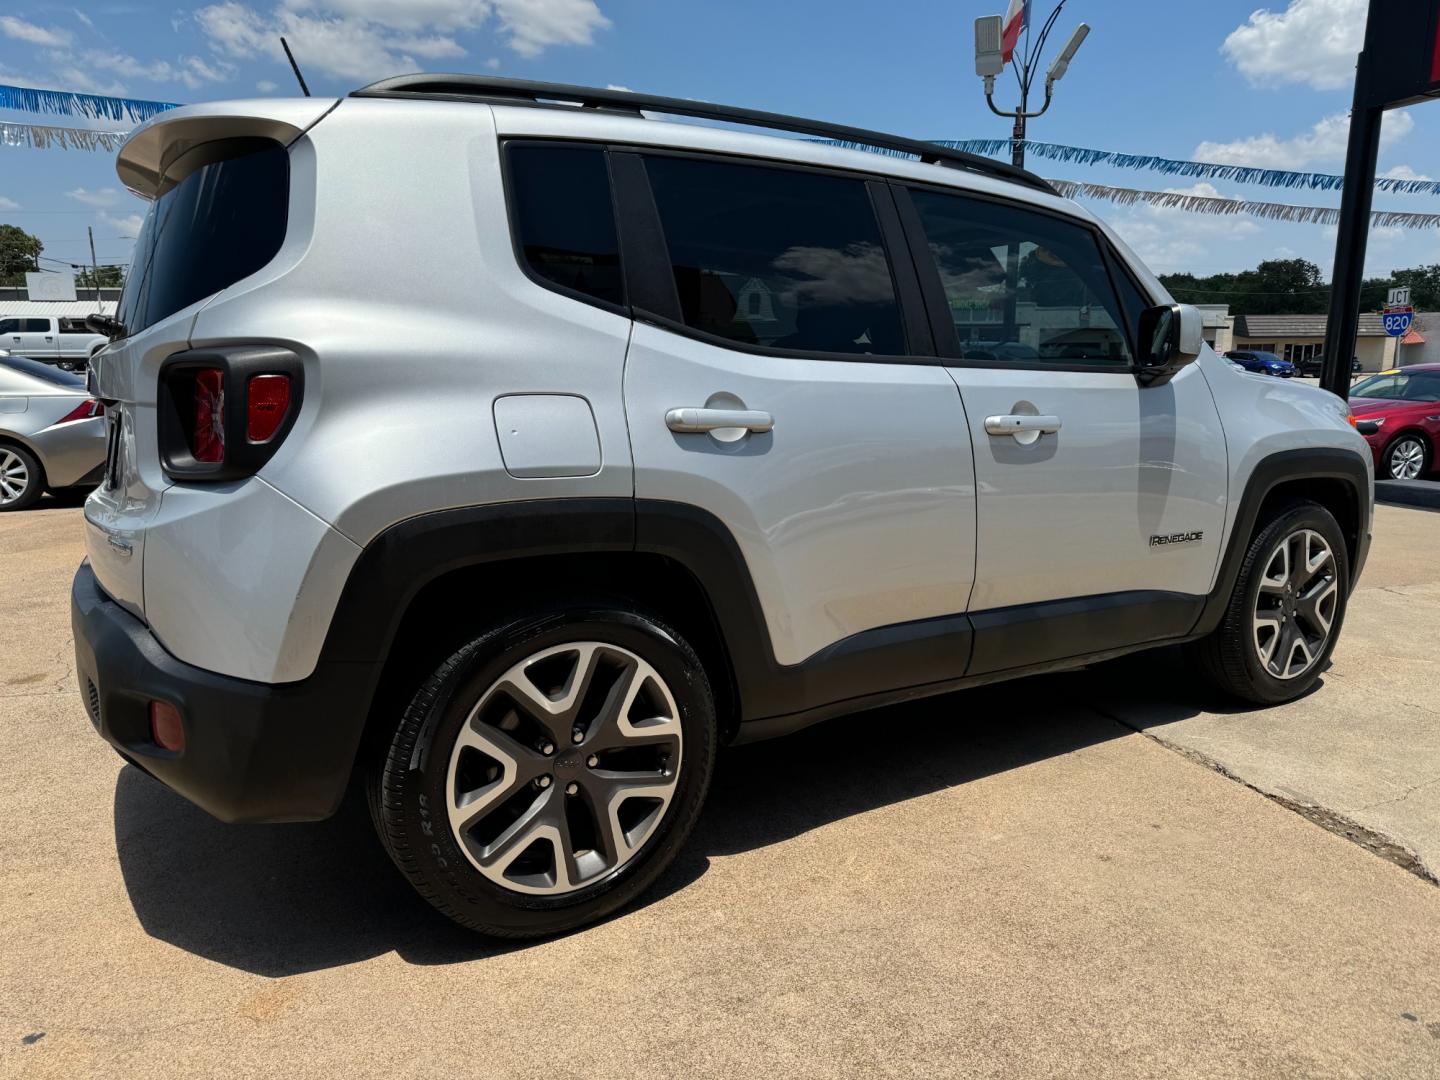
x=690 y=420
x=1021 y=424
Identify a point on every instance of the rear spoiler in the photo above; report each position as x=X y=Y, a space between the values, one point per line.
x=163 y=139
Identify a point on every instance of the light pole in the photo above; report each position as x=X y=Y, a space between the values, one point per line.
x=989 y=62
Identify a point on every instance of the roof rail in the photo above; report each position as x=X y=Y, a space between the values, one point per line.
x=523 y=91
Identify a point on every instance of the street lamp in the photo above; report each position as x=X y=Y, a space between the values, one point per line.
x=989 y=62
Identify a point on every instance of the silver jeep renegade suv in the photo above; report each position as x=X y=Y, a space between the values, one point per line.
x=511 y=450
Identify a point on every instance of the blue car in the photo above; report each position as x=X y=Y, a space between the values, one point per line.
x=1263 y=363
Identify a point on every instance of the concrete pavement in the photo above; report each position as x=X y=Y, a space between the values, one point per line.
x=999 y=883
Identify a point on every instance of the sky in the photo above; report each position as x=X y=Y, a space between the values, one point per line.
x=1212 y=80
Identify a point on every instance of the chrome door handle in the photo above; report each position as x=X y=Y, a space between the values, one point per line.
x=688 y=420
x=1021 y=425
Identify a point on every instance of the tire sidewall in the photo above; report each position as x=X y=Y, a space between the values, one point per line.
x=1308 y=516
x=415 y=780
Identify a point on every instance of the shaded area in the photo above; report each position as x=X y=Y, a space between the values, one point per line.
x=283 y=899
x=1419 y=494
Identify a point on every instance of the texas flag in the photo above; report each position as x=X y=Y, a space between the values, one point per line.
x=1016 y=16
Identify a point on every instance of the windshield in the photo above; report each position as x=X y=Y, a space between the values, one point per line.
x=46 y=372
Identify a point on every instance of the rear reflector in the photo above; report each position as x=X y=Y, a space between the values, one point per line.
x=268 y=399
x=83 y=411
x=207 y=441
x=167 y=731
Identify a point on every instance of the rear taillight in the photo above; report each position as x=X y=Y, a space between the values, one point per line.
x=84 y=411
x=223 y=412
x=207 y=437
x=267 y=400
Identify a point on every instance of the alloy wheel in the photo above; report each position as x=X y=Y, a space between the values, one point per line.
x=564 y=768
x=14 y=476
x=1406 y=458
x=1296 y=605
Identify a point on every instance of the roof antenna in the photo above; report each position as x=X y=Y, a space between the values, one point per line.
x=294 y=67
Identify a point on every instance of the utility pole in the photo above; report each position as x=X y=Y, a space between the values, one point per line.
x=990 y=60
x=94 y=266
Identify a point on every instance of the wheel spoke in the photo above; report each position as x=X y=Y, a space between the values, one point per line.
x=1271 y=623
x=554 y=709
x=1275 y=578
x=1317 y=606
x=658 y=722
x=538 y=822
x=518 y=766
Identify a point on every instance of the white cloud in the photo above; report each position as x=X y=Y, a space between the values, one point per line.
x=51 y=37
x=1169 y=239
x=617 y=86
x=83 y=17
x=369 y=39
x=1313 y=42
x=7 y=203
x=493 y=63
x=1403 y=172
x=1325 y=141
x=265 y=86
x=129 y=225
x=102 y=198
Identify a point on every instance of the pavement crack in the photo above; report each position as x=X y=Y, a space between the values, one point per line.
x=1377 y=843
x=1403 y=795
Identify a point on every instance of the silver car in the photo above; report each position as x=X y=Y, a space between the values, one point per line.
x=52 y=433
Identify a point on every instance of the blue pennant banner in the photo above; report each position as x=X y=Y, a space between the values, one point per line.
x=1240 y=174
x=65 y=102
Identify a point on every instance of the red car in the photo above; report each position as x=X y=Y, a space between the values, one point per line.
x=1398 y=412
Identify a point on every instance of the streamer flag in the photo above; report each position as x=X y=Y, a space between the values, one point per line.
x=1202 y=204
x=68 y=103
x=45 y=137
x=1240 y=174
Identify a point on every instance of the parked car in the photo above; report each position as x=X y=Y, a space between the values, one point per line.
x=51 y=432
x=526 y=570
x=1314 y=365
x=1262 y=363
x=49 y=338
x=1398 y=412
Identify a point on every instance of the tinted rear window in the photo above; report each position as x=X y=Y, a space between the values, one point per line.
x=221 y=223
x=564 y=219
x=48 y=372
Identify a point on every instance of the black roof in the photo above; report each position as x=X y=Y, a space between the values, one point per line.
x=525 y=92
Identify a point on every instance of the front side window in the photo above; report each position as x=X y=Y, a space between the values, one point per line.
x=563 y=218
x=1023 y=287
x=777 y=258
x=217 y=225
x=1380 y=386
x=9 y=326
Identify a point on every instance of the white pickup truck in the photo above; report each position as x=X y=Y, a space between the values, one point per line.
x=45 y=337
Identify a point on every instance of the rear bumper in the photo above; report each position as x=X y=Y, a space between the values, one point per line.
x=254 y=752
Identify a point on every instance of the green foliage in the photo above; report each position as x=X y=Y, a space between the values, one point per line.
x=19 y=252
x=1294 y=287
x=110 y=277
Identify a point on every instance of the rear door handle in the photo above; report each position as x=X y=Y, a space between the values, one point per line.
x=1021 y=425
x=690 y=420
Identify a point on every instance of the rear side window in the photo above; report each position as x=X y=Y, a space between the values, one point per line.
x=564 y=221
x=778 y=258
x=1023 y=287
x=37 y=326
x=44 y=372
x=220 y=223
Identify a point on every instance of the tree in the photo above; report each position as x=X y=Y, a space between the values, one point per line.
x=19 y=252
x=1294 y=287
x=109 y=277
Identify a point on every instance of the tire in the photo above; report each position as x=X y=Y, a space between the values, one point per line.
x=1233 y=656
x=22 y=480
x=1407 y=457
x=489 y=698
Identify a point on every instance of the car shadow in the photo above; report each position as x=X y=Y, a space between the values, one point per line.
x=279 y=900
x=1417 y=494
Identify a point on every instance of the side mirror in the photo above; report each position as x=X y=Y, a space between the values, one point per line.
x=1169 y=338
